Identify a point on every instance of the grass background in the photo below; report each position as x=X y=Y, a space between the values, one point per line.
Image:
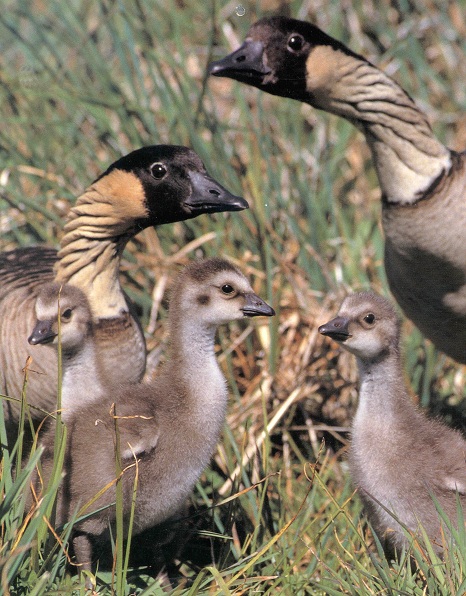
x=82 y=83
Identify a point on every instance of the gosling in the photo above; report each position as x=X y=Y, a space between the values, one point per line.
x=398 y=458
x=84 y=378
x=168 y=429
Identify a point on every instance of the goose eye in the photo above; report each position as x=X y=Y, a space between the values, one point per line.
x=296 y=42
x=227 y=289
x=158 y=170
x=67 y=314
x=369 y=319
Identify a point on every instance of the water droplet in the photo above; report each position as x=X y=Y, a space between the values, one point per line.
x=240 y=10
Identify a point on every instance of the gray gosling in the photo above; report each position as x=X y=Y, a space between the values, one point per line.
x=398 y=456
x=168 y=429
x=84 y=379
x=148 y=187
x=423 y=183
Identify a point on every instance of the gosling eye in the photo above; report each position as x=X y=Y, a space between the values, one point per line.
x=369 y=318
x=66 y=314
x=296 y=42
x=227 y=289
x=158 y=171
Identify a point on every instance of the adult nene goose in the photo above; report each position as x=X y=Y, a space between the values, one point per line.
x=398 y=457
x=150 y=186
x=171 y=426
x=423 y=183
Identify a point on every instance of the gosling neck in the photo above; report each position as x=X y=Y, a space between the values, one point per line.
x=383 y=394
x=193 y=362
x=82 y=377
x=91 y=250
x=192 y=344
x=408 y=158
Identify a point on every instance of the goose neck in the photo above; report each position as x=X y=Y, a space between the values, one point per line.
x=90 y=252
x=407 y=156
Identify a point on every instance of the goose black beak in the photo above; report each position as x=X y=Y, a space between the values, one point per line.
x=246 y=64
x=42 y=333
x=208 y=196
x=255 y=306
x=337 y=329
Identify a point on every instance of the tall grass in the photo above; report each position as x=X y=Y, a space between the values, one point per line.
x=84 y=82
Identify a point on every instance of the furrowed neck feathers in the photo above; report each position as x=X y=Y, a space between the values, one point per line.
x=407 y=156
x=96 y=234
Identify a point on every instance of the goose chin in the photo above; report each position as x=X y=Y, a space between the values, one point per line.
x=233 y=204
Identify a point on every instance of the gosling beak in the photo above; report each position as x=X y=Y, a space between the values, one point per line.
x=42 y=333
x=255 y=306
x=246 y=64
x=208 y=196
x=337 y=329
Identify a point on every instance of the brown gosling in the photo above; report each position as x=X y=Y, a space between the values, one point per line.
x=398 y=457
x=423 y=183
x=148 y=187
x=168 y=429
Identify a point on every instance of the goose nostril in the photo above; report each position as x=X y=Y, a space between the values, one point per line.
x=214 y=192
x=240 y=58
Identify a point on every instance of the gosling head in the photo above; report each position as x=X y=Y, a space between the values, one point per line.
x=216 y=292
x=70 y=305
x=367 y=325
x=278 y=56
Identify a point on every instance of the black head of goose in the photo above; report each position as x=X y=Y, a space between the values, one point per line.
x=150 y=186
x=170 y=426
x=423 y=183
x=398 y=457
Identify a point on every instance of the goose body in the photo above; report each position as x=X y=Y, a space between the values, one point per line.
x=150 y=186
x=398 y=457
x=170 y=426
x=423 y=183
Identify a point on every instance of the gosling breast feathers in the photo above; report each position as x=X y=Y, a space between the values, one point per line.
x=170 y=426
x=398 y=457
x=423 y=183
x=150 y=186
